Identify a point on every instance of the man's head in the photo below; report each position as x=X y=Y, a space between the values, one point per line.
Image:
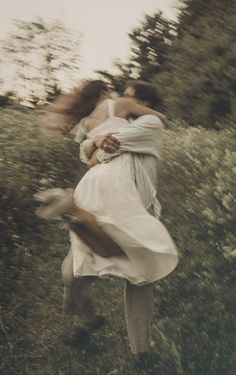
x=145 y=93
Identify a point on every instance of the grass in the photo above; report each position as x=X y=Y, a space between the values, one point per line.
x=193 y=324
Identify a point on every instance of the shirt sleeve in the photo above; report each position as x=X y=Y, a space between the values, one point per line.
x=142 y=136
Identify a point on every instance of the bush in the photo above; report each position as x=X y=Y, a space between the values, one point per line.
x=200 y=165
x=30 y=162
x=197 y=189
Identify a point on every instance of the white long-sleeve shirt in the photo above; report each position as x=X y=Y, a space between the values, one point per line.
x=143 y=138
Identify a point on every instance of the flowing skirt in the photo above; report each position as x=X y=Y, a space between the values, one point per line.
x=109 y=192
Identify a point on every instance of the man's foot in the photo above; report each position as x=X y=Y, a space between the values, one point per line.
x=141 y=360
x=80 y=336
x=96 y=323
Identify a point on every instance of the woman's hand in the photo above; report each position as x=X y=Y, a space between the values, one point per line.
x=93 y=160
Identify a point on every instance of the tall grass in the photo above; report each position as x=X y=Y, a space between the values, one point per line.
x=194 y=315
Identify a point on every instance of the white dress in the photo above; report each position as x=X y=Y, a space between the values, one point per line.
x=108 y=191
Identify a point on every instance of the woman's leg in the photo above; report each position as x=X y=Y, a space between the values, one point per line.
x=77 y=298
x=93 y=235
x=68 y=279
x=59 y=203
x=83 y=306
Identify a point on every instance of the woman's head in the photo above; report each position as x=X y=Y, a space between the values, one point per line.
x=79 y=103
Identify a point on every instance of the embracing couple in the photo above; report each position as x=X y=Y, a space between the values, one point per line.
x=113 y=214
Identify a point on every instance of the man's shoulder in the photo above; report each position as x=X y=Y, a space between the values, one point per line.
x=150 y=120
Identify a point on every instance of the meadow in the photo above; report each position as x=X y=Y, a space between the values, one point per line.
x=193 y=330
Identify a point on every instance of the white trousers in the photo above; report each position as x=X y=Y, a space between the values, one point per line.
x=138 y=315
x=138 y=304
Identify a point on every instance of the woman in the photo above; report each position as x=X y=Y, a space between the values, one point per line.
x=143 y=249
x=89 y=99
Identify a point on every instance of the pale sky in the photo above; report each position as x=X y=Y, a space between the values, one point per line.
x=104 y=24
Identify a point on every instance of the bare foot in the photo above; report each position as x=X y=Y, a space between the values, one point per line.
x=56 y=202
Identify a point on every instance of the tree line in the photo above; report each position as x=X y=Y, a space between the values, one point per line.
x=192 y=60
x=39 y=59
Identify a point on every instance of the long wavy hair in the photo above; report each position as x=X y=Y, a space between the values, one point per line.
x=68 y=110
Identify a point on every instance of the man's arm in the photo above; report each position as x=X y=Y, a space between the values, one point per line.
x=88 y=147
x=142 y=136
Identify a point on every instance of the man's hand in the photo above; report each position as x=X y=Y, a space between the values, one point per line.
x=162 y=117
x=107 y=142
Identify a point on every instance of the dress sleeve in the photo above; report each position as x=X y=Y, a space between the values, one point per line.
x=79 y=134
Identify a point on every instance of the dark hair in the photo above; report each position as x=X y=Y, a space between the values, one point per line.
x=145 y=91
x=78 y=104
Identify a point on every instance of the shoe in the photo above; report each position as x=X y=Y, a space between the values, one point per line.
x=141 y=360
x=96 y=323
x=56 y=203
x=79 y=337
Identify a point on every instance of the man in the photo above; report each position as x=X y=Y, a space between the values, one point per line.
x=143 y=139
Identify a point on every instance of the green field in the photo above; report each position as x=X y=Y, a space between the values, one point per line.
x=193 y=331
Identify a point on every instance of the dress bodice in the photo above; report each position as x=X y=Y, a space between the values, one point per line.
x=111 y=125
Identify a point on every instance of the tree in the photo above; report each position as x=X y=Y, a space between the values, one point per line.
x=150 y=44
x=193 y=61
x=43 y=58
x=193 y=10
x=199 y=83
x=118 y=80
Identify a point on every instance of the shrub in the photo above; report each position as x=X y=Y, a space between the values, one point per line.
x=31 y=161
x=197 y=190
x=200 y=166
